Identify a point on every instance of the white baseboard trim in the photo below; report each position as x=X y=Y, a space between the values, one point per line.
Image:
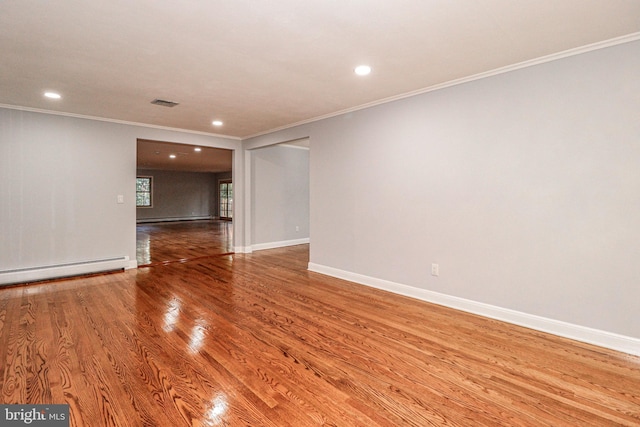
x=242 y=249
x=132 y=264
x=597 y=337
x=281 y=244
x=173 y=219
x=33 y=274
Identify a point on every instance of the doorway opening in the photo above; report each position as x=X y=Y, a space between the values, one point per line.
x=225 y=199
x=182 y=219
x=277 y=182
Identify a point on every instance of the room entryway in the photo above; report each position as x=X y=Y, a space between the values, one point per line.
x=225 y=199
x=182 y=213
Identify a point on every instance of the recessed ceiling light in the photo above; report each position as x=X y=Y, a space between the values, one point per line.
x=197 y=149
x=362 y=70
x=172 y=156
x=216 y=123
x=52 y=95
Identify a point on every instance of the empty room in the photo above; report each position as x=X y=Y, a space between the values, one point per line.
x=184 y=202
x=427 y=213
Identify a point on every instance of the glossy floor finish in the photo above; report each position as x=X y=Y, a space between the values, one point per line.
x=182 y=240
x=257 y=340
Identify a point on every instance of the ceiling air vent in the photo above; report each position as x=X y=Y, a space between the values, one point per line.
x=164 y=103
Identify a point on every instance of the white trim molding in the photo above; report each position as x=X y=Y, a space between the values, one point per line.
x=173 y=219
x=120 y=122
x=597 y=337
x=281 y=244
x=508 y=68
x=34 y=274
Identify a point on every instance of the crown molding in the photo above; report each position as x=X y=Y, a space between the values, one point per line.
x=506 y=69
x=120 y=122
x=530 y=63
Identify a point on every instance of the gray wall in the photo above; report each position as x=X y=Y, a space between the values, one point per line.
x=279 y=194
x=180 y=195
x=524 y=187
x=59 y=182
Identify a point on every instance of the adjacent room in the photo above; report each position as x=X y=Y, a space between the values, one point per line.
x=184 y=202
x=364 y=213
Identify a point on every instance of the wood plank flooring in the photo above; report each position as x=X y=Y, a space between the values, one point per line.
x=164 y=242
x=257 y=340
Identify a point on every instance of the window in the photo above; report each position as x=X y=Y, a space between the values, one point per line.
x=143 y=191
x=226 y=199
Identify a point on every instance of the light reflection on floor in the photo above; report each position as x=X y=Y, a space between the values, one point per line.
x=217 y=410
x=179 y=240
x=143 y=248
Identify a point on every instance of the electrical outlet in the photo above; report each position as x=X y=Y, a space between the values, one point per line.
x=435 y=270
x=297 y=228
x=120 y=198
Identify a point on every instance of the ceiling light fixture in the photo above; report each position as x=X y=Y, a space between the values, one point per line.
x=216 y=123
x=362 y=70
x=52 y=95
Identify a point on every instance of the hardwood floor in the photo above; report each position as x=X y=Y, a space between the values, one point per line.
x=256 y=339
x=182 y=240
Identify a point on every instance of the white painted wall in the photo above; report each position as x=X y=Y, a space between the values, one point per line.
x=59 y=181
x=524 y=187
x=279 y=196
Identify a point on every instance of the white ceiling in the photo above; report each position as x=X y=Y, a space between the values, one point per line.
x=155 y=155
x=262 y=65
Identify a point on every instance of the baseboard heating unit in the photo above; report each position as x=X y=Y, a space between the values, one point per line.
x=174 y=219
x=33 y=274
